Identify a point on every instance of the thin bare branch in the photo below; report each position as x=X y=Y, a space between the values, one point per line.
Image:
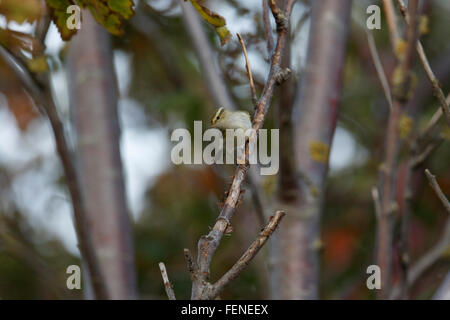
x=437 y=189
x=248 y=256
x=420 y=158
x=379 y=68
x=249 y=71
x=21 y=71
x=167 y=284
x=40 y=92
x=42 y=26
x=431 y=257
x=267 y=27
x=433 y=122
x=426 y=65
x=391 y=19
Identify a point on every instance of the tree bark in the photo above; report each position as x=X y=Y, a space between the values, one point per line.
x=287 y=184
x=314 y=127
x=93 y=94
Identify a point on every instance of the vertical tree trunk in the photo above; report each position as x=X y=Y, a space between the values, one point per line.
x=314 y=127
x=287 y=183
x=93 y=94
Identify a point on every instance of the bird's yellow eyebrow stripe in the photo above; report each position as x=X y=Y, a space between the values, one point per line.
x=217 y=115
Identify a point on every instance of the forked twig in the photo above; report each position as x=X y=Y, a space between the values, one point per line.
x=248 y=256
x=208 y=244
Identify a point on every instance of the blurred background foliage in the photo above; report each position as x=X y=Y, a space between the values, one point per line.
x=182 y=202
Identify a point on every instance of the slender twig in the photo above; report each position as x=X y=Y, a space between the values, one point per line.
x=426 y=65
x=267 y=28
x=247 y=257
x=42 y=25
x=208 y=244
x=433 y=122
x=22 y=73
x=379 y=68
x=167 y=285
x=391 y=19
x=433 y=183
x=434 y=82
x=420 y=158
x=249 y=71
x=429 y=143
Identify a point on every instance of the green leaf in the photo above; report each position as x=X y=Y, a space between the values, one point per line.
x=111 y=14
x=124 y=8
x=59 y=15
x=214 y=19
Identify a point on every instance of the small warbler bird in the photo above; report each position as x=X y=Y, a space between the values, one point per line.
x=225 y=119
